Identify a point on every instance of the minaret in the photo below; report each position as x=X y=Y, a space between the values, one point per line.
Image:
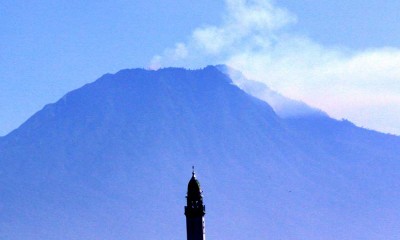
x=195 y=211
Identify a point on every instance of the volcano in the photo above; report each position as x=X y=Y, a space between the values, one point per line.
x=111 y=160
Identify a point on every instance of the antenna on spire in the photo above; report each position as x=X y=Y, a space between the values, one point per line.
x=192 y=170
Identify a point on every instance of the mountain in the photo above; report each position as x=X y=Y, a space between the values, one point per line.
x=112 y=160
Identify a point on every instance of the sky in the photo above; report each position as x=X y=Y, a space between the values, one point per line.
x=340 y=56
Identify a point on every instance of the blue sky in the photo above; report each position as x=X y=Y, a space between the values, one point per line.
x=48 y=48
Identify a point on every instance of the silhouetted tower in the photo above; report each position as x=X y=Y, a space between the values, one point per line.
x=195 y=211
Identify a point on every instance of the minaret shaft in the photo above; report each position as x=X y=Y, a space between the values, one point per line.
x=195 y=228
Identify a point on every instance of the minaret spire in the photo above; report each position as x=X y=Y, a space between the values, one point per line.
x=195 y=210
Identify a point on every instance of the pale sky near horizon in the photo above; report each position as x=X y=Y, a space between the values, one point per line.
x=48 y=48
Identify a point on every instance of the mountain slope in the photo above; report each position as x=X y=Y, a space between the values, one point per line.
x=111 y=160
x=283 y=106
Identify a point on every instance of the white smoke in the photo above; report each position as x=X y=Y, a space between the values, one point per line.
x=362 y=86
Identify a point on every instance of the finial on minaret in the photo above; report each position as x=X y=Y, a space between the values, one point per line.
x=193 y=170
